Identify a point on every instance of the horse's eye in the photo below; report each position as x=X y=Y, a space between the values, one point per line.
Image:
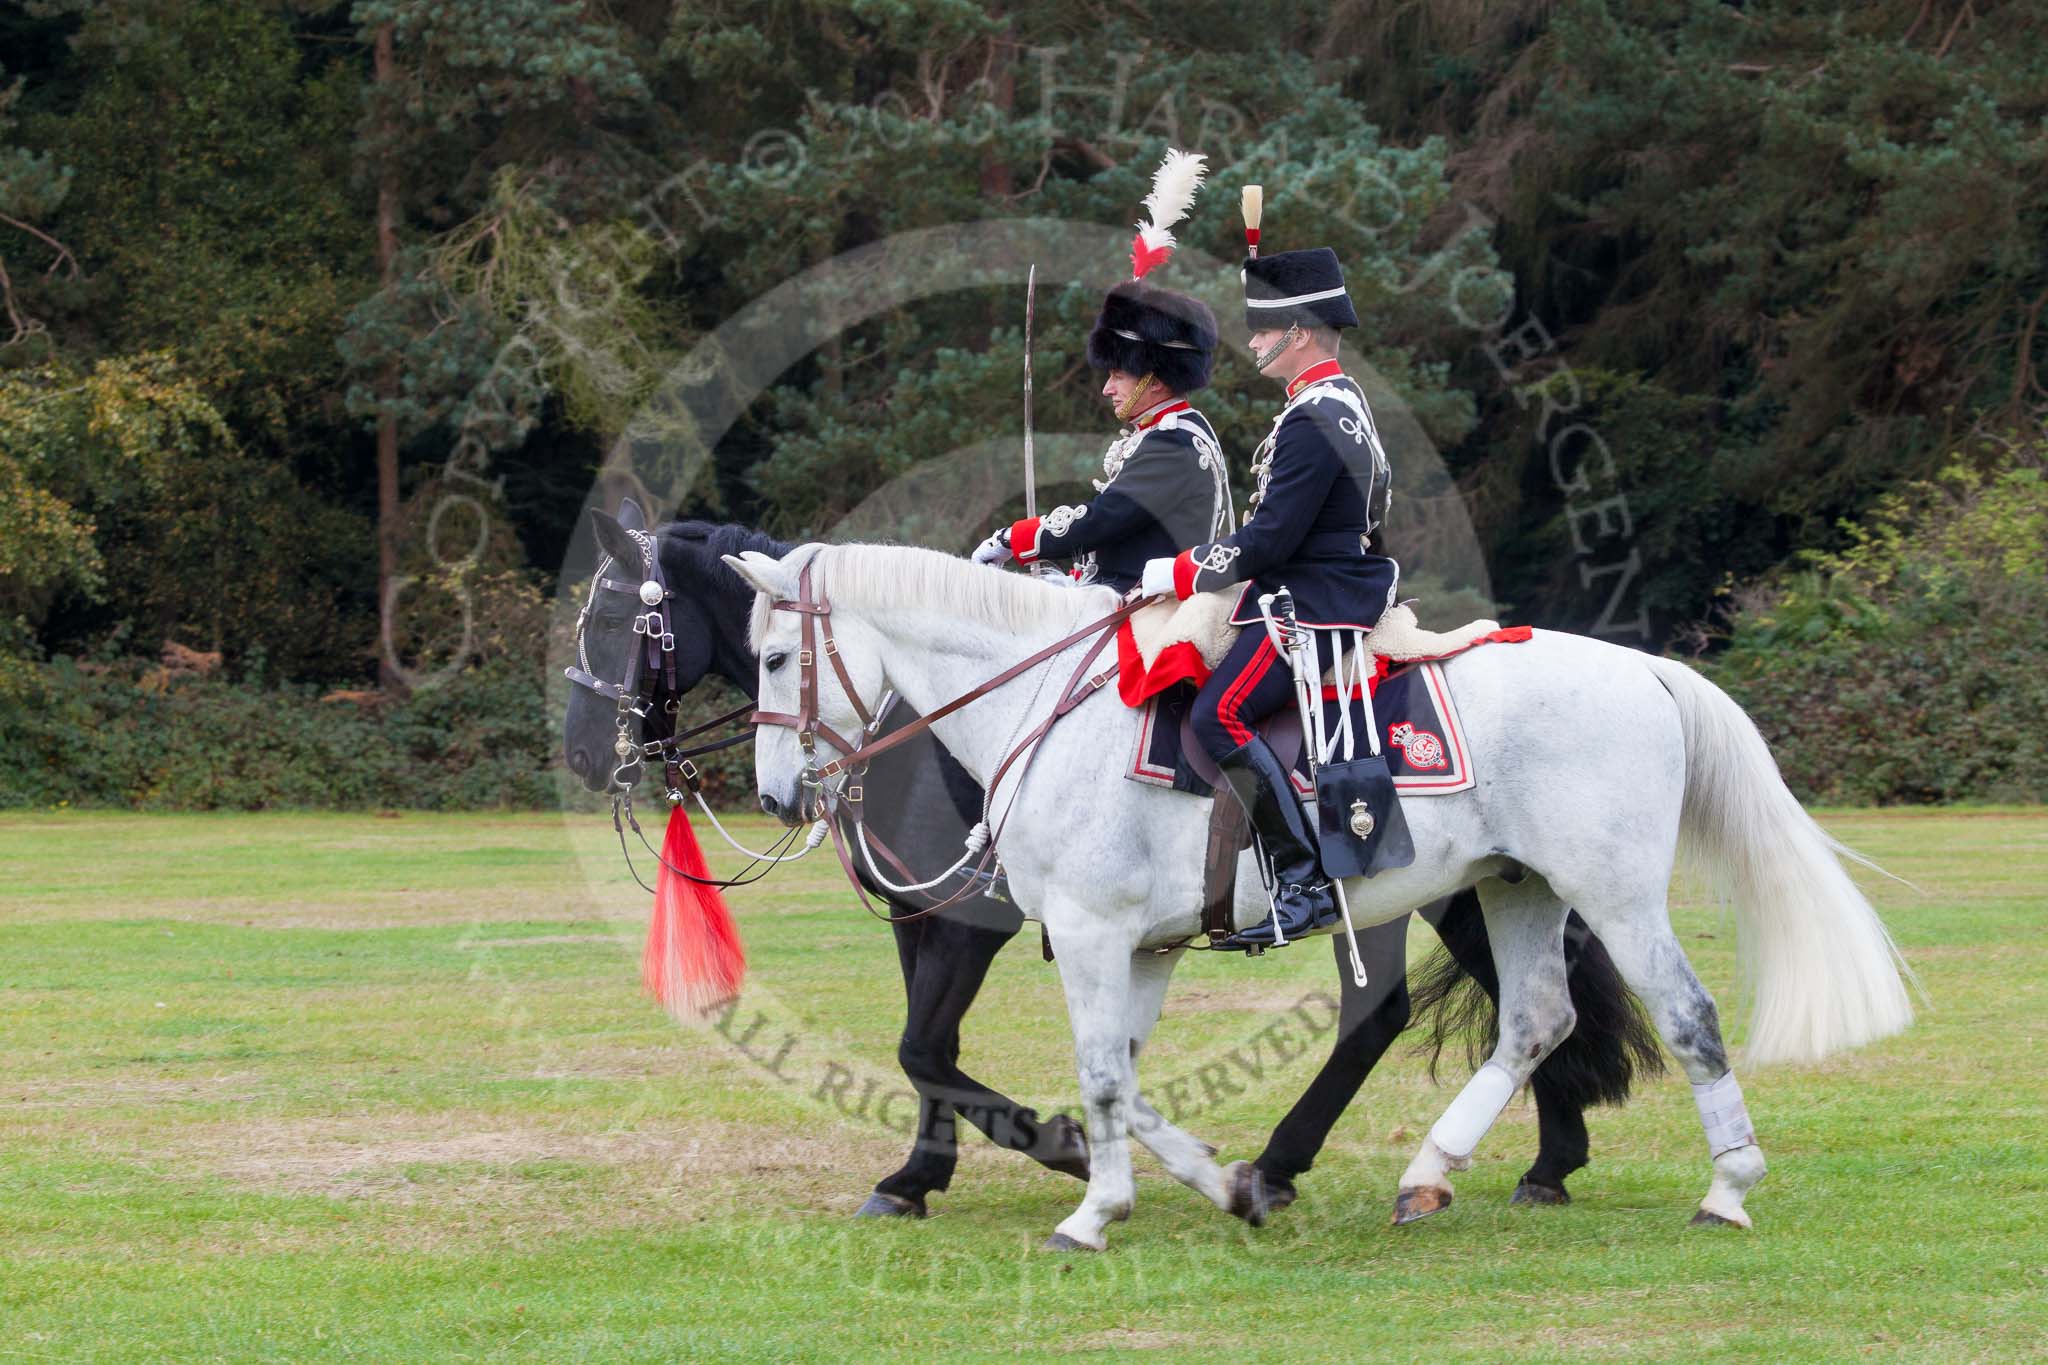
x=776 y=661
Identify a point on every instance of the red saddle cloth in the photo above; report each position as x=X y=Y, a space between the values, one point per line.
x=1182 y=662
x=1417 y=718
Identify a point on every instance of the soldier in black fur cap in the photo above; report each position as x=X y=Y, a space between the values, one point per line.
x=1313 y=527
x=1163 y=482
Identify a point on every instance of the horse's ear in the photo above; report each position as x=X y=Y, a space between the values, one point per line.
x=613 y=539
x=630 y=515
x=762 y=573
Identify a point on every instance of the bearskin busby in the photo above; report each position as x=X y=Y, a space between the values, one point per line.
x=1147 y=330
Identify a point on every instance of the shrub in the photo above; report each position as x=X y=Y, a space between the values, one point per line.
x=1913 y=665
x=124 y=735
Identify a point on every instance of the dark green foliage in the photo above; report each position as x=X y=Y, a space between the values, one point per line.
x=1913 y=666
x=1779 y=259
x=117 y=736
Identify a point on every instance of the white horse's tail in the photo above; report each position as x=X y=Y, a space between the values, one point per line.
x=1825 y=973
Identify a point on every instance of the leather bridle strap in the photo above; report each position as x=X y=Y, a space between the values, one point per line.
x=817 y=615
x=815 y=610
x=1106 y=625
x=1078 y=688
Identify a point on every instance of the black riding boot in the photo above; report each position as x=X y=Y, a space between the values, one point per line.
x=1302 y=896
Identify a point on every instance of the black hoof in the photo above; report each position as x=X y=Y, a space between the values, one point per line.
x=1703 y=1219
x=1279 y=1192
x=1418 y=1202
x=1528 y=1192
x=1068 y=1142
x=881 y=1205
x=1248 y=1198
x=1059 y=1241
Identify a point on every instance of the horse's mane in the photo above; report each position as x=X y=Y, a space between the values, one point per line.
x=869 y=576
x=714 y=539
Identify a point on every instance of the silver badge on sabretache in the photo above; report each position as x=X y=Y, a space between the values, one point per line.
x=1361 y=820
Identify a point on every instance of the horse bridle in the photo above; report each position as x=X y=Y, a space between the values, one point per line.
x=651 y=671
x=648 y=665
x=815 y=610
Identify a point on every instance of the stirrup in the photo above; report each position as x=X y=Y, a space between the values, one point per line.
x=1269 y=927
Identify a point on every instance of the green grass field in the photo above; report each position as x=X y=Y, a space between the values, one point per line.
x=295 y=1086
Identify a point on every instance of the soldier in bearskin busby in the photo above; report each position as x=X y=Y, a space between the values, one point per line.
x=1163 y=482
x=1313 y=527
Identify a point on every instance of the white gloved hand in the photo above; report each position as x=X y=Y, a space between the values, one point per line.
x=994 y=550
x=1158 y=578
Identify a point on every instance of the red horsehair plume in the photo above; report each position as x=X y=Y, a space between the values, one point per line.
x=1173 y=194
x=693 y=963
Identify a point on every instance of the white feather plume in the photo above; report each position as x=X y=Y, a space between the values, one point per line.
x=1173 y=194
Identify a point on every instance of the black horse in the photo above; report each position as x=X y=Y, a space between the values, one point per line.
x=946 y=956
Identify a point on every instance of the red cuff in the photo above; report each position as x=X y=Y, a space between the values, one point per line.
x=1184 y=575
x=1024 y=539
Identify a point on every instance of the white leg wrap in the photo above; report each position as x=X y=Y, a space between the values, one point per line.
x=1723 y=1116
x=1473 y=1111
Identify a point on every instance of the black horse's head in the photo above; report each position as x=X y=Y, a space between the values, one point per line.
x=707 y=608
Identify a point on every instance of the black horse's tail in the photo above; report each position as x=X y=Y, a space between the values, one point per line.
x=1611 y=1043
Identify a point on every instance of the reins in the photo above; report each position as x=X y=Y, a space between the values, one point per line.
x=815 y=611
x=839 y=810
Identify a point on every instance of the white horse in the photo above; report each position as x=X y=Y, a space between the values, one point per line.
x=1597 y=765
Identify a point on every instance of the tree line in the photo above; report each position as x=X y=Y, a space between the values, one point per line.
x=296 y=296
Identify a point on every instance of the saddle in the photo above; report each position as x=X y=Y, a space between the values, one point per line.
x=1173 y=642
x=1169 y=649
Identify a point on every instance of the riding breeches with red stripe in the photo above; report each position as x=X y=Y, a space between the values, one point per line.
x=1251 y=683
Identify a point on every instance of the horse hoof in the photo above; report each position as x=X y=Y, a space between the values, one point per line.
x=881 y=1205
x=1528 y=1192
x=1248 y=1198
x=1418 y=1202
x=1069 y=1142
x=1059 y=1241
x=1706 y=1218
x=1279 y=1193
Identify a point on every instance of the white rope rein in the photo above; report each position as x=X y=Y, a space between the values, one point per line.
x=976 y=841
x=811 y=841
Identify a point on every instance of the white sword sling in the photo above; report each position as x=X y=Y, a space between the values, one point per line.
x=1298 y=647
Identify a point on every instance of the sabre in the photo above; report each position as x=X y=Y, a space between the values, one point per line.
x=1030 y=469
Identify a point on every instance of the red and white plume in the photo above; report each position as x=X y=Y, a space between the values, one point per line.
x=1173 y=194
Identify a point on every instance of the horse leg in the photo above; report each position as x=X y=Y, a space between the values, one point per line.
x=933 y=1151
x=951 y=969
x=1640 y=941
x=1369 y=1019
x=945 y=966
x=1562 y=1142
x=1095 y=971
x=1526 y=924
x=1186 y=1157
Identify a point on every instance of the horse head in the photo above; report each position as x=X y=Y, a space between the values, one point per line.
x=817 y=679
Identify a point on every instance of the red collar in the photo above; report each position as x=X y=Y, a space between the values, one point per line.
x=1151 y=417
x=1321 y=370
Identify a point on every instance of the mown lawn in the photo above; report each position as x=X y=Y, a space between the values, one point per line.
x=293 y=1086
